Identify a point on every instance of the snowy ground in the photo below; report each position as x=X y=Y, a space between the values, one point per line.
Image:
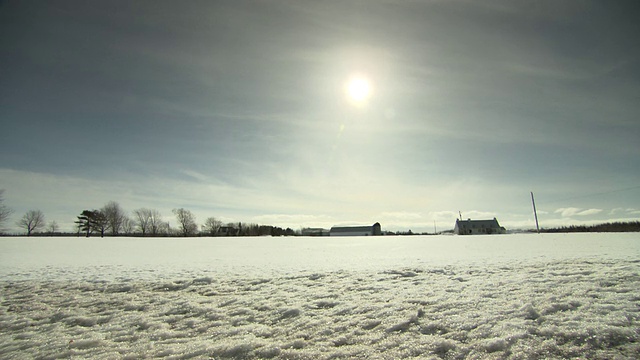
x=495 y=297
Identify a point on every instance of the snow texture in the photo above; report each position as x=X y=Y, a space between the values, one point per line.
x=484 y=297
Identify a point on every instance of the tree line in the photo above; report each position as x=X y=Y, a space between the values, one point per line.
x=113 y=220
x=633 y=226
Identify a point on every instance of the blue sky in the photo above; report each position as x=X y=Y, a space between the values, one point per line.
x=238 y=110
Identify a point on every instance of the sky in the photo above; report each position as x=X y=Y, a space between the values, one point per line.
x=240 y=110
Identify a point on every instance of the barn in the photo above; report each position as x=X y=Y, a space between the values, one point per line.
x=369 y=230
x=478 y=227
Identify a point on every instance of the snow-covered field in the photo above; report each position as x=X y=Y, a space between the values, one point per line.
x=496 y=297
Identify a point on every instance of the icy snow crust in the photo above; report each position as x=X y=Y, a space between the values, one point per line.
x=488 y=297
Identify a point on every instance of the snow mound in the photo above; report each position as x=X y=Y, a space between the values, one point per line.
x=515 y=310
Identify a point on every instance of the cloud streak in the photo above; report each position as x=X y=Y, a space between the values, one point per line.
x=568 y=212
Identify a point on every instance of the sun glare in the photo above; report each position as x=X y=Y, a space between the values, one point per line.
x=358 y=89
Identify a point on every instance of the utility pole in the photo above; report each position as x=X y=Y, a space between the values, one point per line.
x=535 y=213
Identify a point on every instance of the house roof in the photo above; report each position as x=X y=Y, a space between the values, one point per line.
x=489 y=223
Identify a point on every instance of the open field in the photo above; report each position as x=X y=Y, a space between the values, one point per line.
x=510 y=296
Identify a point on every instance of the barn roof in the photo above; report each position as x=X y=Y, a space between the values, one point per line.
x=351 y=228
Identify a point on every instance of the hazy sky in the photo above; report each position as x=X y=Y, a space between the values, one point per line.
x=238 y=110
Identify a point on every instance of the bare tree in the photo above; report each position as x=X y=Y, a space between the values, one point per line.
x=114 y=216
x=186 y=222
x=142 y=219
x=211 y=226
x=148 y=221
x=100 y=222
x=5 y=212
x=52 y=227
x=127 y=225
x=31 y=221
x=163 y=229
x=158 y=226
x=155 y=225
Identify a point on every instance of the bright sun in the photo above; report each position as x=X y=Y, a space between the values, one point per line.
x=358 y=89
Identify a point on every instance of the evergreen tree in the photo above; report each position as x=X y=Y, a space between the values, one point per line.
x=92 y=220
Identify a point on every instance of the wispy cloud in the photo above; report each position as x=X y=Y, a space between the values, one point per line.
x=567 y=212
x=572 y=211
x=195 y=175
x=589 y=212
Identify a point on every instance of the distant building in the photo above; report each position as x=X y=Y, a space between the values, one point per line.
x=227 y=231
x=315 y=232
x=370 y=230
x=478 y=227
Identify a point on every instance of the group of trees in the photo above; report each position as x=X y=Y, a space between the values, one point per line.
x=32 y=221
x=149 y=222
x=112 y=220
x=109 y=218
x=632 y=226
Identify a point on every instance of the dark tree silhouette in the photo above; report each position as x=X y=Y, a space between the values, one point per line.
x=186 y=222
x=211 y=226
x=92 y=220
x=114 y=216
x=32 y=221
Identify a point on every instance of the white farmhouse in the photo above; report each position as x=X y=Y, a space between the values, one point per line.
x=478 y=227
